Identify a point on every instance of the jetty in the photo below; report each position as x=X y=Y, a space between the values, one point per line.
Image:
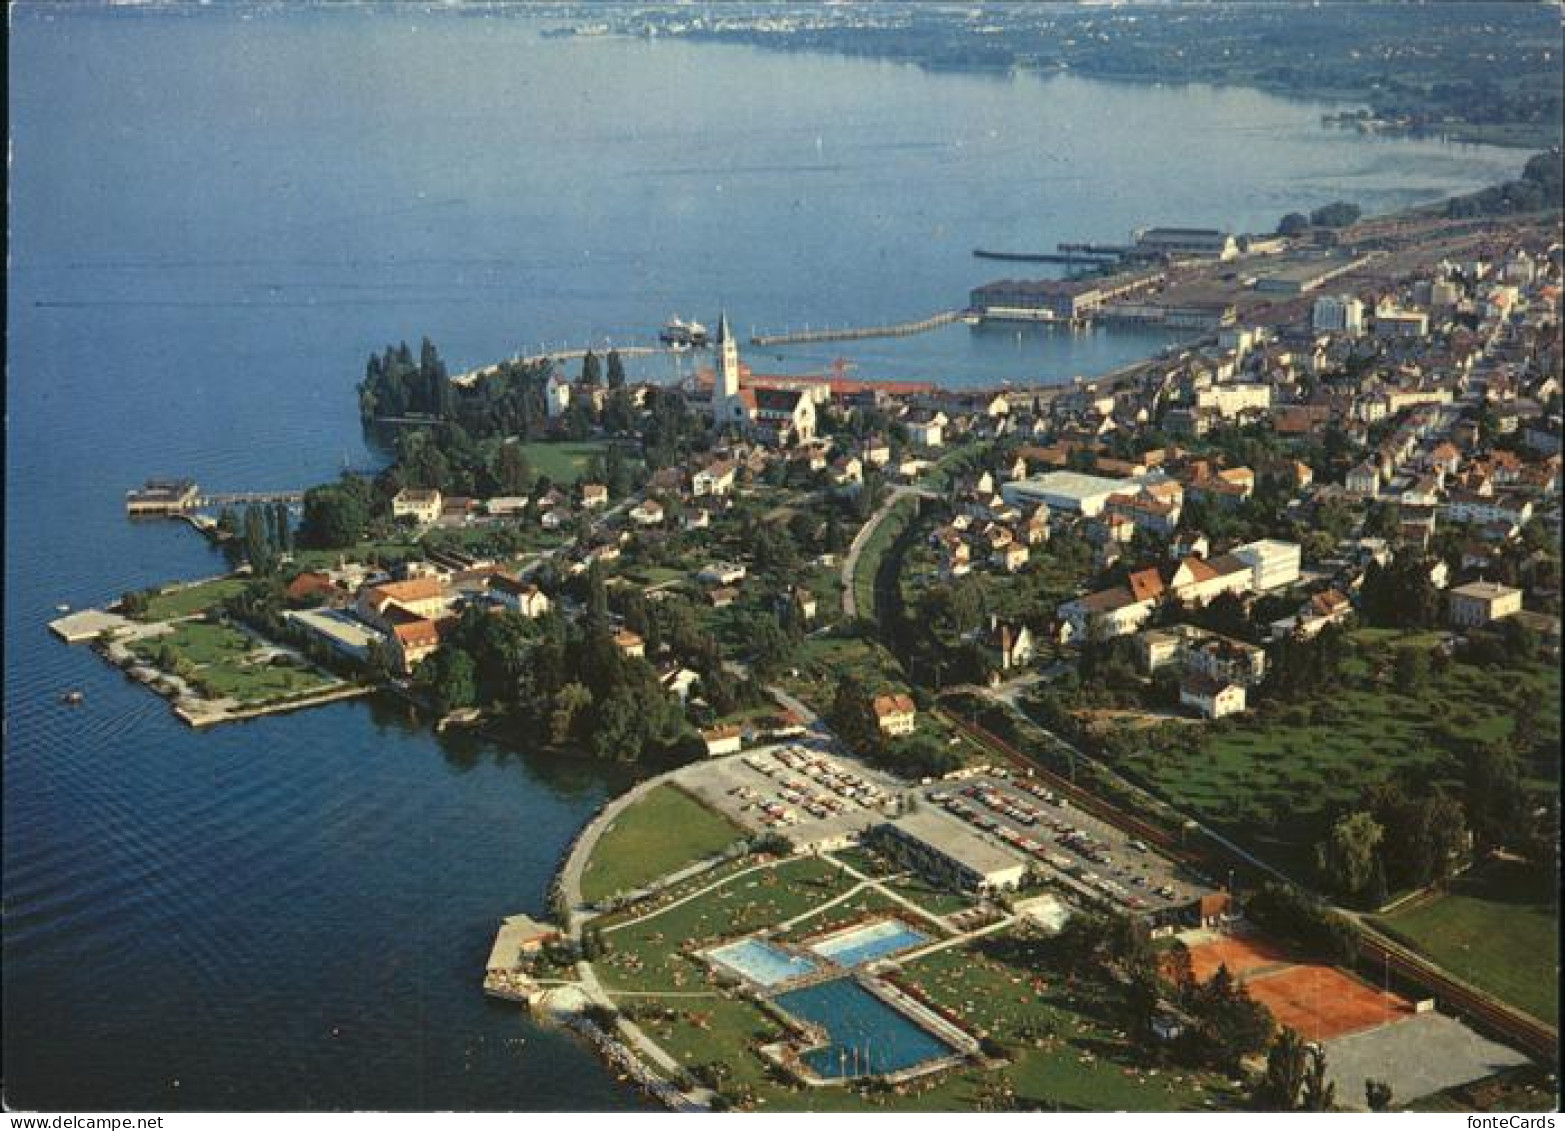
x=1069 y=258
x=176 y=498
x=858 y=333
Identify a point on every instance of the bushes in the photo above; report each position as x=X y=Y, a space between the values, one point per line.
x=1290 y=913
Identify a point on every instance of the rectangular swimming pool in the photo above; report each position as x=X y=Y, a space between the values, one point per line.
x=866 y=1036
x=858 y=945
x=761 y=962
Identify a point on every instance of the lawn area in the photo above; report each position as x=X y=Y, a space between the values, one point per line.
x=657 y=952
x=935 y=900
x=1273 y=777
x=823 y=661
x=659 y=834
x=562 y=461
x=188 y=600
x=1067 y=1052
x=387 y=551
x=219 y=664
x=1497 y=928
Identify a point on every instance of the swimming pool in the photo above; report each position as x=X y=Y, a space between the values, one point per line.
x=865 y=1035
x=761 y=962
x=858 y=945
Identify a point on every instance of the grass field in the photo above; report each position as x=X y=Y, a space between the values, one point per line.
x=659 y=834
x=657 y=953
x=562 y=461
x=1067 y=1052
x=1497 y=928
x=1273 y=778
x=219 y=662
x=192 y=599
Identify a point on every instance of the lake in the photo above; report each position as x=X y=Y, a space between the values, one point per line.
x=216 y=216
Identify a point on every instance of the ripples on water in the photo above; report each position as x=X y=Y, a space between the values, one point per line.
x=207 y=241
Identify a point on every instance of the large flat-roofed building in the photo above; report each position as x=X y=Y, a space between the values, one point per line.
x=1062 y=299
x=948 y=852
x=1479 y=602
x=1072 y=492
x=1206 y=243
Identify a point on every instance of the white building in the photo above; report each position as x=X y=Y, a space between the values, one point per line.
x=1071 y=492
x=1233 y=400
x=1275 y=563
x=418 y=503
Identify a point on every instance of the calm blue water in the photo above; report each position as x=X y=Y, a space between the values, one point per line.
x=864 y=944
x=866 y=1036
x=214 y=219
x=761 y=962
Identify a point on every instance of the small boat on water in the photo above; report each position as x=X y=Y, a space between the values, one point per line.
x=72 y=698
x=62 y=608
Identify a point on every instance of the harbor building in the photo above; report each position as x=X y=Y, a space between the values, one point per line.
x=1202 y=243
x=158 y=497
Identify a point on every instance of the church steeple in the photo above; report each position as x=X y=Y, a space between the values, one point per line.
x=727 y=384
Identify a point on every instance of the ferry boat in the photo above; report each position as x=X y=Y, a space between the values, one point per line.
x=683 y=335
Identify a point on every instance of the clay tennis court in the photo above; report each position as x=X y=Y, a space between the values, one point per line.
x=1243 y=955
x=1320 y=1002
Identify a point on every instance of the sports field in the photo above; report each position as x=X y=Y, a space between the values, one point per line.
x=1320 y=1002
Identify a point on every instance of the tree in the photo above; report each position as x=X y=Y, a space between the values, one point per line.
x=1377 y=1094
x=1412 y=670
x=334 y=518
x=591 y=370
x=1337 y=214
x=1319 y=1093
x=449 y=678
x=1279 y=1088
x=616 y=370
x=1293 y=224
x=259 y=547
x=1347 y=857
x=513 y=472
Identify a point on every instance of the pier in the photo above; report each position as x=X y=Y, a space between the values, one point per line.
x=852 y=334
x=562 y=354
x=1069 y=258
x=178 y=498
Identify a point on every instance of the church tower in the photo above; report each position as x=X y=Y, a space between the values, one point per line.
x=726 y=404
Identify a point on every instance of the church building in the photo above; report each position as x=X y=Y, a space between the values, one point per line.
x=776 y=416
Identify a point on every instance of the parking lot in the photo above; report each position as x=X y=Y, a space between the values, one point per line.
x=816 y=800
x=1087 y=855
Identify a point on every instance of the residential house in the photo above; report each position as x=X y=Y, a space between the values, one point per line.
x=1481 y=602
x=421 y=504
x=1213 y=698
x=894 y=714
x=519 y=595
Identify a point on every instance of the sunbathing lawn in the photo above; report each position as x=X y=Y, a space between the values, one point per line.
x=657 y=952
x=1064 y=1054
x=1496 y=929
x=659 y=834
x=192 y=599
